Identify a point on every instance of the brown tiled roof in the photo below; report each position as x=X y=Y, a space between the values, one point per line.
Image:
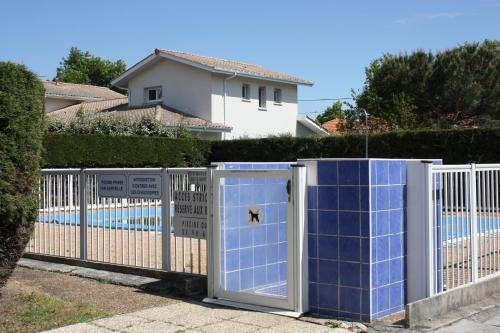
x=332 y=126
x=78 y=91
x=234 y=66
x=119 y=108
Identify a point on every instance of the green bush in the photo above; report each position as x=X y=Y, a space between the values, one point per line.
x=97 y=150
x=22 y=126
x=453 y=146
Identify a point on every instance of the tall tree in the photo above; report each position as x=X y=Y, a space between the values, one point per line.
x=85 y=68
x=455 y=87
x=334 y=111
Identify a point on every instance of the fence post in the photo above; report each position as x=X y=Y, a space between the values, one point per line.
x=430 y=238
x=83 y=214
x=210 y=253
x=473 y=224
x=165 y=220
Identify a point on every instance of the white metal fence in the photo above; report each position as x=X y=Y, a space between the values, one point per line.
x=75 y=221
x=464 y=215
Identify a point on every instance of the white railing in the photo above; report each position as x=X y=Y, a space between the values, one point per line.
x=464 y=223
x=75 y=221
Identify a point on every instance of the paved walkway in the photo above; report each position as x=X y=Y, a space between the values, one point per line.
x=197 y=317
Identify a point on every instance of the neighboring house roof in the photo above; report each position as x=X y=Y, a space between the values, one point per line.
x=119 y=108
x=332 y=126
x=311 y=124
x=80 y=92
x=214 y=65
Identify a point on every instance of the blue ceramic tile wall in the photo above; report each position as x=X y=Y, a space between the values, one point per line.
x=253 y=255
x=356 y=238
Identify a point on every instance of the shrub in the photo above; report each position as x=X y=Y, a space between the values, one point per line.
x=22 y=128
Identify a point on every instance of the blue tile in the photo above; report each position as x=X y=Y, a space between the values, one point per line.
x=349 y=223
x=312 y=197
x=259 y=235
x=349 y=274
x=273 y=273
x=374 y=249
x=327 y=247
x=350 y=300
x=327 y=222
x=272 y=231
x=246 y=258
x=282 y=232
x=365 y=249
x=271 y=213
x=328 y=313
x=328 y=197
x=246 y=279
x=383 y=273
x=313 y=296
x=365 y=224
x=283 y=271
x=394 y=172
x=313 y=270
x=348 y=172
x=349 y=316
x=327 y=173
x=365 y=276
x=365 y=302
x=396 y=245
x=396 y=221
x=383 y=298
x=383 y=223
x=232 y=239
x=396 y=295
x=374 y=305
x=259 y=276
x=328 y=296
x=259 y=255
x=349 y=249
x=233 y=281
x=396 y=267
x=364 y=193
x=232 y=260
x=403 y=171
x=232 y=194
x=382 y=198
x=312 y=221
x=312 y=246
x=246 y=239
x=382 y=248
x=272 y=253
x=328 y=271
x=349 y=198
x=282 y=247
x=373 y=198
x=364 y=172
x=396 y=196
x=382 y=176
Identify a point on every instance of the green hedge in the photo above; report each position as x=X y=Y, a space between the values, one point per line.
x=453 y=146
x=96 y=150
x=22 y=124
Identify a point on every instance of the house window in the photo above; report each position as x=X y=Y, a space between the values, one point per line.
x=245 y=91
x=262 y=97
x=277 y=96
x=153 y=94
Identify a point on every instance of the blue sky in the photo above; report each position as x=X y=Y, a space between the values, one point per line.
x=328 y=42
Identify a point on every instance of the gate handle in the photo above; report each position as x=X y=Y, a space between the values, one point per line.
x=289 y=188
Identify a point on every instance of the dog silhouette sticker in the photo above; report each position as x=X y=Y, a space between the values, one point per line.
x=254 y=214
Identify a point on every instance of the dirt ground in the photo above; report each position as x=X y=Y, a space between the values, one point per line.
x=72 y=289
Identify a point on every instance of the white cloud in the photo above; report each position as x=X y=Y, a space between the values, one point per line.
x=428 y=17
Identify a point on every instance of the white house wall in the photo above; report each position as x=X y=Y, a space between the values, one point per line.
x=245 y=117
x=183 y=87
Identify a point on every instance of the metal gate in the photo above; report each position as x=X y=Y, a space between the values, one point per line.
x=258 y=239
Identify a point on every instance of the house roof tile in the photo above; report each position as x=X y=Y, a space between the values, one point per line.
x=78 y=91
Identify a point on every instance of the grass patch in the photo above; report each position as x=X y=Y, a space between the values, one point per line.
x=34 y=311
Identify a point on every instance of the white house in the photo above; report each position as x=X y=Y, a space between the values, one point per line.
x=217 y=98
x=59 y=95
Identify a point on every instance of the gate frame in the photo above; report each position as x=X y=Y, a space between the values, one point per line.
x=297 y=257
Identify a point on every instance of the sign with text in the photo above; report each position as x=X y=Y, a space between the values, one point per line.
x=112 y=186
x=198 y=178
x=190 y=214
x=145 y=186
